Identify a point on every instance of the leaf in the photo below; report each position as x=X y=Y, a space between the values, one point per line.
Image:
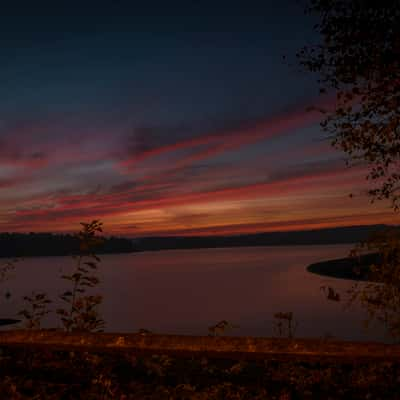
x=91 y=264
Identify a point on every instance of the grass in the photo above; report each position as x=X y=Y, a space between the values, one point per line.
x=28 y=374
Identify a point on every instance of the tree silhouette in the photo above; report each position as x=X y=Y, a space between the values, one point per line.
x=380 y=296
x=358 y=59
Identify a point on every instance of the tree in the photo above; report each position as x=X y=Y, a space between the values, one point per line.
x=380 y=295
x=358 y=59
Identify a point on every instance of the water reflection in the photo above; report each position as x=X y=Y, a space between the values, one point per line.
x=186 y=291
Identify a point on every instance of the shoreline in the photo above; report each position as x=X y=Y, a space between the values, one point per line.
x=344 y=268
x=100 y=254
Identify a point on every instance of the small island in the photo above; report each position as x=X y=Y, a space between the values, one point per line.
x=356 y=269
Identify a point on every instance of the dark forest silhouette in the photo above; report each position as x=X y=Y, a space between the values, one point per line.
x=340 y=235
x=47 y=244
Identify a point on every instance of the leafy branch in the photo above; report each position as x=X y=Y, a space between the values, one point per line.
x=81 y=310
x=36 y=310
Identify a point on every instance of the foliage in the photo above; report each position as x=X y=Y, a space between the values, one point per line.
x=285 y=325
x=6 y=269
x=81 y=311
x=359 y=60
x=381 y=294
x=5 y=273
x=36 y=310
x=378 y=289
x=128 y=376
x=330 y=293
x=105 y=387
x=220 y=328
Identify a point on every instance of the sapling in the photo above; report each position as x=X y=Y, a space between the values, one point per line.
x=81 y=310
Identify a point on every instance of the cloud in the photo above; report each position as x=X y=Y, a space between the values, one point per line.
x=18 y=156
x=173 y=178
x=277 y=226
x=205 y=145
x=309 y=168
x=123 y=187
x=10 y=182
x=148 y=138
x=133 y=198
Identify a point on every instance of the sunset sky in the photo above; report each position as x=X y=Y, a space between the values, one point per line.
x=166 y=121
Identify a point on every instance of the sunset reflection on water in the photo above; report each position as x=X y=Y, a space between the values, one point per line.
x=186 y=291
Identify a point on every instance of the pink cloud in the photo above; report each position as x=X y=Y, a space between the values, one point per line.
x=74 y=208
x=209 y=145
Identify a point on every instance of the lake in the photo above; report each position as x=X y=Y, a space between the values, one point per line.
x=186 y=291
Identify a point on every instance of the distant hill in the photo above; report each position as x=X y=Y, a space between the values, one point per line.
x=341 y=235
x=48 y=244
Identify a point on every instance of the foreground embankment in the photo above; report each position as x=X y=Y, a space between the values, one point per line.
x=52 y=364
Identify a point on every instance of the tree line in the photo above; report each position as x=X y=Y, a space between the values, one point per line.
x=51 y=244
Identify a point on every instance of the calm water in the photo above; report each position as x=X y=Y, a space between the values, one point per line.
x=186 y=291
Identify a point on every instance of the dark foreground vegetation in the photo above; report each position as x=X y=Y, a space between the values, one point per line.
x=30 y=374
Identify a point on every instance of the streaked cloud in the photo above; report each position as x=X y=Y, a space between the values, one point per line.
x=259 y=175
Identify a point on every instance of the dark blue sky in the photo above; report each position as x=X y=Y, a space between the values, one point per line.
x=195 y=64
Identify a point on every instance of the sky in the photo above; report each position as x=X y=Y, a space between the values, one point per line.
x=163 y=119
